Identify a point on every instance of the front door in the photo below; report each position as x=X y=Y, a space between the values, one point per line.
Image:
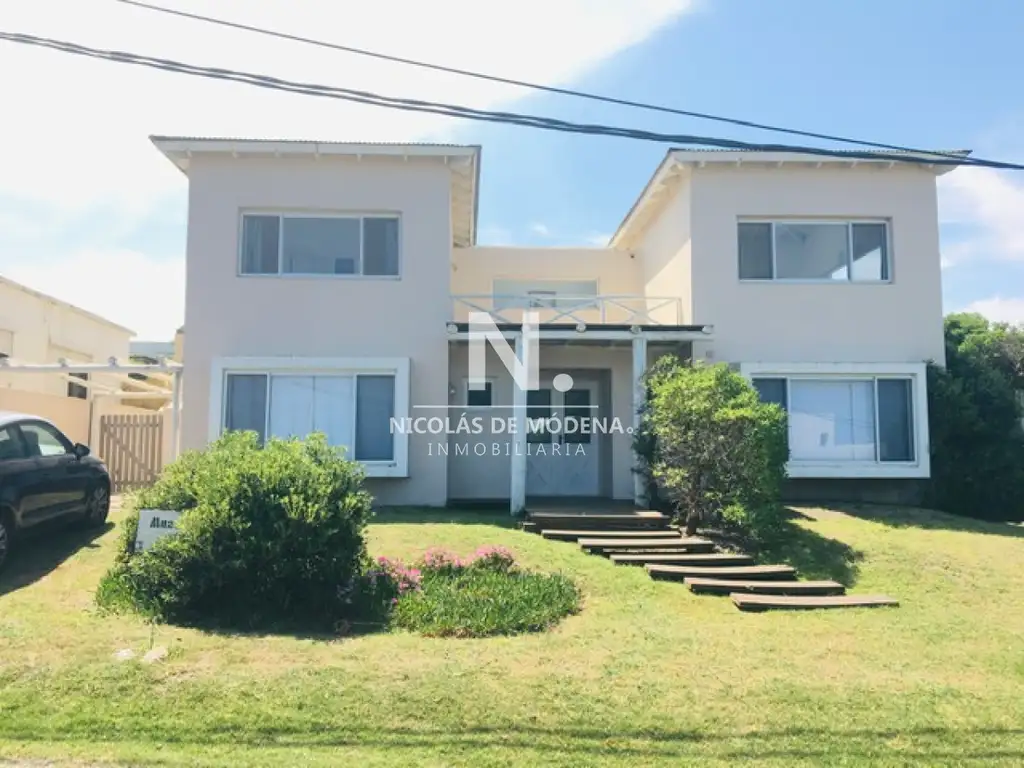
x=563 y=462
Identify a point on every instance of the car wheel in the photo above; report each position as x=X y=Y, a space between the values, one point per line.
x=97 y=506
x=6 y=536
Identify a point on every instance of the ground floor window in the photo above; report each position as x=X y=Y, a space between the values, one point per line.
x=353 y=408
x=863 y=419
x=352 y=411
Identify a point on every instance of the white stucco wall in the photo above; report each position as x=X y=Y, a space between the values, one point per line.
x=822 y=322
x=321 y=316
x=37 y=329
x=664 y=253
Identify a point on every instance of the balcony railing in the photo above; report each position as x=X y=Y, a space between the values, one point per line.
x=588 y=310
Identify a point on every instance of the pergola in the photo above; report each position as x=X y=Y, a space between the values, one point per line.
x=163 y=380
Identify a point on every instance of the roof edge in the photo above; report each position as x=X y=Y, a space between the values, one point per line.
x=677 y=158
x=66 y=304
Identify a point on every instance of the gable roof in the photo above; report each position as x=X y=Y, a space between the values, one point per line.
x=678 y=159
x=462 y=160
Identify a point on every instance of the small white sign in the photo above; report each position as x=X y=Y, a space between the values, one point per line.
x=155 y=524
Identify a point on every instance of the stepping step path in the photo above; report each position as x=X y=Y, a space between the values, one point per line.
x=647 y=539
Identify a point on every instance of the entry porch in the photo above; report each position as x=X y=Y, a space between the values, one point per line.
x=569 y=436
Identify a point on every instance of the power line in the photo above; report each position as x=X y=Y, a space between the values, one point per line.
x=525 y=84
x=454 y=110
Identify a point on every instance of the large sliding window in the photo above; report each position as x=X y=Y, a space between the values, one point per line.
x=817 y=251
x=862 y=420
x=354 y=411
x=297 y=244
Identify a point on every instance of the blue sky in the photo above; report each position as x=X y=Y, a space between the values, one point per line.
x=86 y=196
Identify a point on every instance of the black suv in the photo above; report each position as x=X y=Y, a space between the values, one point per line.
x=45 y=477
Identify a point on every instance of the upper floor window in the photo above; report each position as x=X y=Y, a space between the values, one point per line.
x=319 y=245
x=826 y=251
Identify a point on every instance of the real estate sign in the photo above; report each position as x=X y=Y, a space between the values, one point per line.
x=155 y=524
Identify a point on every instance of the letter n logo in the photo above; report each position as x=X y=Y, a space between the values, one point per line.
x=525 y=370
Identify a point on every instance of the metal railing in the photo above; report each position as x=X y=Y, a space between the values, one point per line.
x=618 y=309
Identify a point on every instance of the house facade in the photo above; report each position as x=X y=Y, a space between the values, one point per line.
x=339 y=288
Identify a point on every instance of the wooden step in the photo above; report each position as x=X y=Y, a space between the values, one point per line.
x=531 y=527
x=573 y=535
x=777 y=602
x=678 y=542
x=728 y=587
x=654 y=521
x=739 y=573
x=683 y=558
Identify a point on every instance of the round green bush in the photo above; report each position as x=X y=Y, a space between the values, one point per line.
x=270 y=537
x=488 y=595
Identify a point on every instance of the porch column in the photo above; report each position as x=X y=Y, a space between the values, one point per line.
x=519 y=446
x=639 y=395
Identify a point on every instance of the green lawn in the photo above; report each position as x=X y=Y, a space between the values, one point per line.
x=646 y=674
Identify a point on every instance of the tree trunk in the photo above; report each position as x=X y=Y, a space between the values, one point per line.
x=692 y=518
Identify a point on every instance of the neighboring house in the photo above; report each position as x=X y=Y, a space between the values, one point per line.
x=36 y=328
x=329 y=287
x=39 y=329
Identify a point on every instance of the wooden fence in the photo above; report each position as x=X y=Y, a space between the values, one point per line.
x=132 y=447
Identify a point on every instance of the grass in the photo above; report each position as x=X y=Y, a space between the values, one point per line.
x=646 y=674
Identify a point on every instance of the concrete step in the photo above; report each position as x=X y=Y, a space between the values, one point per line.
x=573 y=535
x=677 y=544
x=783 y=602
x=706 y=586
x=716 y=559
x=739 y=573
x=625 y=522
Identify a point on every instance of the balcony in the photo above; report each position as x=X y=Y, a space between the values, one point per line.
x=572 y=310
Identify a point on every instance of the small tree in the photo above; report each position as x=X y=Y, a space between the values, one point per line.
x=714 y=451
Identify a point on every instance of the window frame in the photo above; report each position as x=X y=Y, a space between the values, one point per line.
x=920 y=467
x=398 y=367
x=315 y=214
x=848 y=223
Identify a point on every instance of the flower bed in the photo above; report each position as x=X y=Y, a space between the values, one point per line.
x=443 y=595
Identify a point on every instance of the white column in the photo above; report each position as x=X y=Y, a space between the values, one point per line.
x=639 y=395
x=519 y=445
x=176 y=415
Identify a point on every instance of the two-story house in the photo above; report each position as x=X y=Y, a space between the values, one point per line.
x=330 y=287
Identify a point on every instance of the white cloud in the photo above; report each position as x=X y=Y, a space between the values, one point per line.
x=74 y=138
x=127 y=287
x=989 y=204
x=999 y=309
x=82 y=124
x=540 y=229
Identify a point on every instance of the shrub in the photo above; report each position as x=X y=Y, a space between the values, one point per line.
x=270 y=536
x=977 y=445
x=715 y=453
x=479 y=601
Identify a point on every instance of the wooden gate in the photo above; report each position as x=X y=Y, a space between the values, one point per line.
x=132 y=447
